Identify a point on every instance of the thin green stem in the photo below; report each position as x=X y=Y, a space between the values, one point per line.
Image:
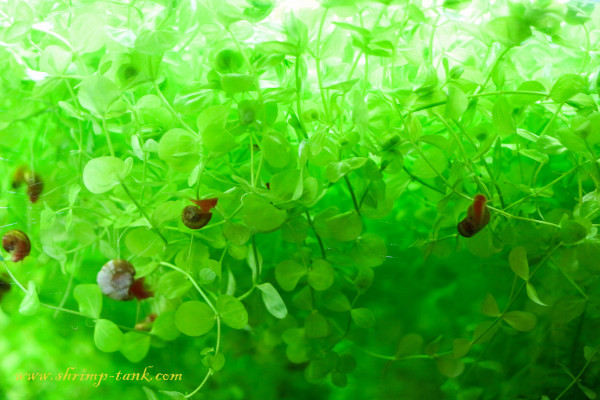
x=172 y=110
x=191 y=279
x=108 y=140
x=577 y=378
x=356 y=207
x=139 y=206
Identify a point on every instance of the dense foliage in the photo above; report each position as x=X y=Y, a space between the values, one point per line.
x=273 y=196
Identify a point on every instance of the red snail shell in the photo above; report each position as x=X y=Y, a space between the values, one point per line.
x=17 y=243
x=194 y=218
x=116 y=280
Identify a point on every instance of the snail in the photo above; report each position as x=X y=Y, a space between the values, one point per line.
x=34 y=183
x=117 y=280
x=17 y=243
x=196 y=217
x=478 y=216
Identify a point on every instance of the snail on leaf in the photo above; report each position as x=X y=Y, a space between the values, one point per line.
x=117 y=280
x=197 y=216
x=478 y=216
x=34 y=182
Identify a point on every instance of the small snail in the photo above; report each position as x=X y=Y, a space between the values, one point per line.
x=34 y=183
x=194 y=218
x=17 y=243
x=116 y=280
x=478 y=216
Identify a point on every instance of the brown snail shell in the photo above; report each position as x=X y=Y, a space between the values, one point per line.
x=194 y=218
x=35 y=186
x=17 y=243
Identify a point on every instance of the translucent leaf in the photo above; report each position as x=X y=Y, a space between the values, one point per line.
x=566 y=87
x=532 y=294
x=89 y=298
x=363 y=317
x=344 y=227
x=262 y=215
x=97 y=93
x=572 y=231
x=449 y=366
x=490 y=306
x=164 y=326
x=237 y=83
x=316 y=325
x=173 y=284
x=273 y=300
x=87 y=33
x=155 y=42
x=369 y=250
x=194 y=318
x=104 y=173
x=517 y=260
x=510 y=31
x=30 y=303
x=288 y=273
x=566 y=309
x=287 y=185
x=135 y=346
x=107 y=336
x=179 y=149
x=337 y=170
x=232 y=311
x=525 y=99
x=144 y=242
x=520 y=320
x=457 y=103
x=217 y=140
x=460 y=347
x=503 y=118
x=321 y=275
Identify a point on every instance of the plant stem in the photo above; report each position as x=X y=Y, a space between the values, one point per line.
x=172 y=110
x=138 y=205
x=108 y=140
x=576 y=378
x=356 y=207
x=310 y=222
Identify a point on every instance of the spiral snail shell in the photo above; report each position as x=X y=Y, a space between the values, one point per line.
x=117 y=280
x=17 y=243
x=478 y=216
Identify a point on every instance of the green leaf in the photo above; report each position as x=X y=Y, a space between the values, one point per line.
x=567 y=308
x=460 y=347
x=287 y=185
x=321 y=275
x=532 y=294
x=509 y=31
x=89 y=298
x=337 y=170
x=262 y=215
x=144 y=242
x=87 y=33
x=232 y=311
x=526 y=99
x=155 y=42
x=135 y=346
x=173 y=395
x=107 y=336
x=566 y=87
x=104 y=173
x=237 y=83
x=273 y=300
x=96 y=94
x=363 y=317
x=150 y=395
x=164 y=326
x=517 y=259
x=217 y=140
x=449 y=366
x=490 y=306
x=194 y=318
x=30 y=303
x=457 y=103
x=288 y=273
x=520 y=320
x=216 y=361
x=336 y=301
x=369 y=250
x=55 y=60
x=237 y=234
x=275 y=151
x=345 y=227
x=316 y=325
x=173 y=284
x=343 y=86
x=572 y=231
x=503 y=118
x=214 y=115
x=179 y=149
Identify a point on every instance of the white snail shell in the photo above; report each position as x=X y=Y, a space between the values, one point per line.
x=115 y=279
